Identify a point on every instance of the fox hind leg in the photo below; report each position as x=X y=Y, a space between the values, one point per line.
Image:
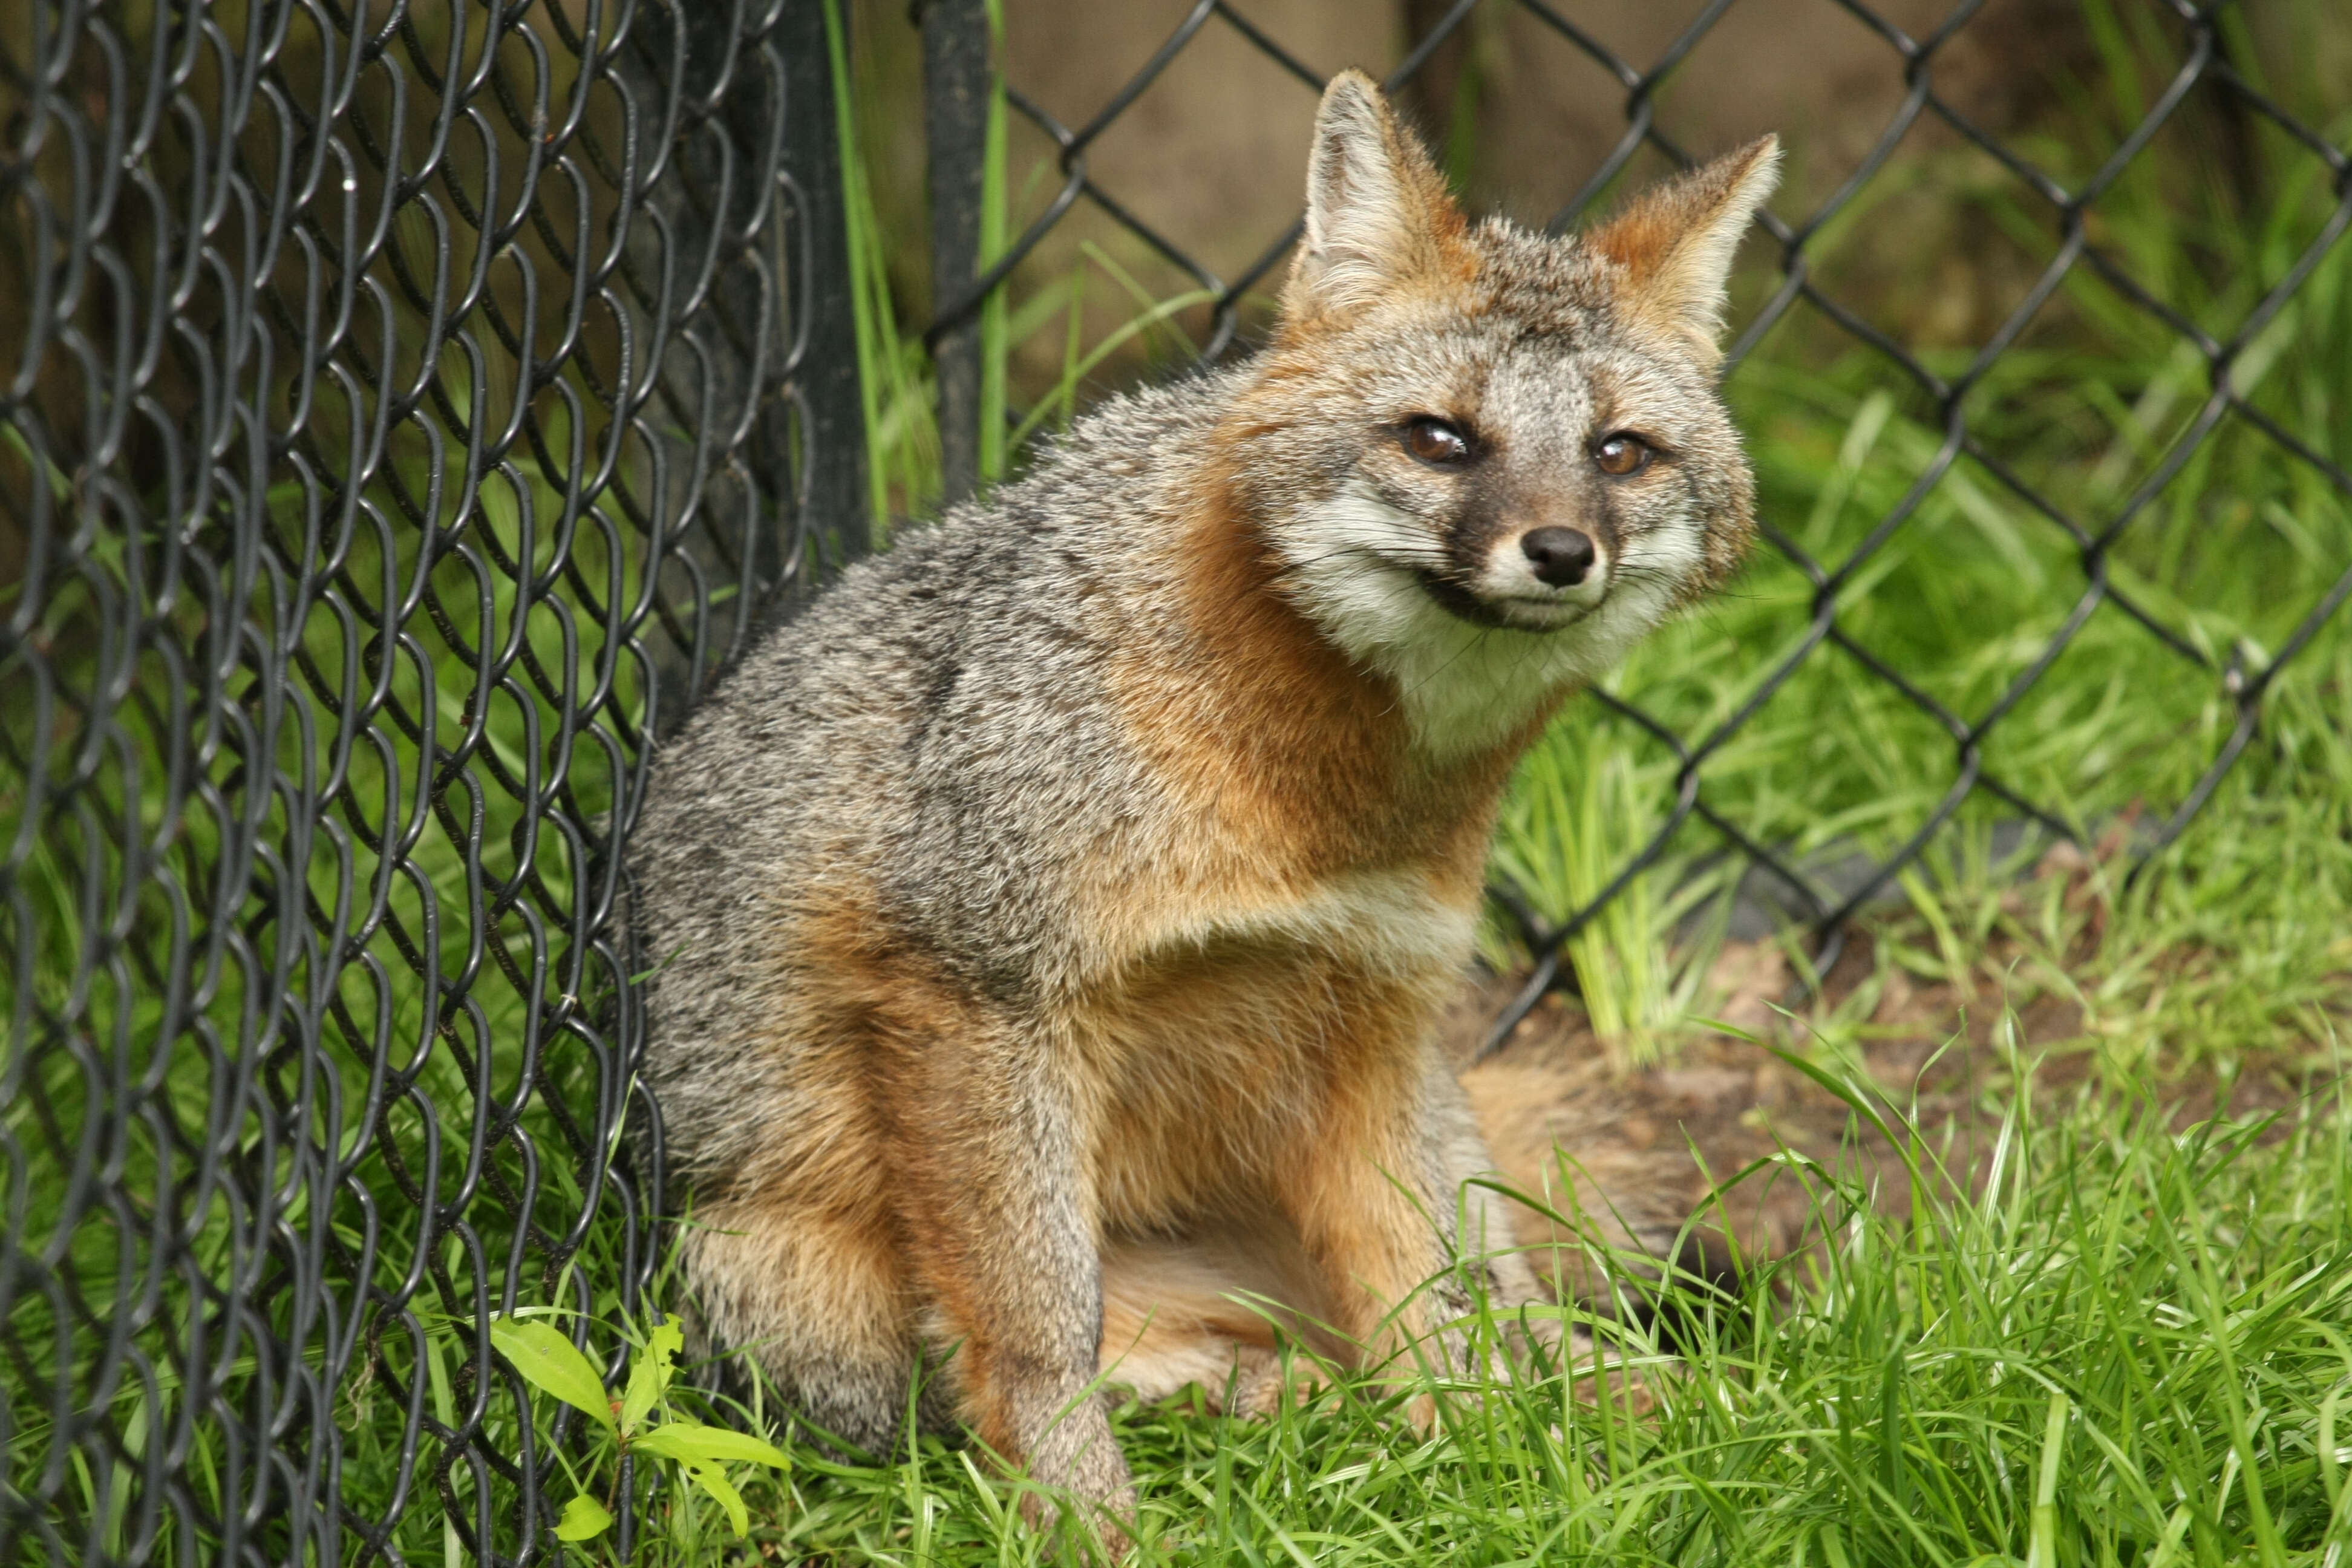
x=817 y=1300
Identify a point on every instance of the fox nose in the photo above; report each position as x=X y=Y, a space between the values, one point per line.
x=1561 y=556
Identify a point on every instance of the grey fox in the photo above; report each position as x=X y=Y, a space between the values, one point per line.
x=1061 y=907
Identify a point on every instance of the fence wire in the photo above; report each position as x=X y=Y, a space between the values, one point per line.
x=2200 y=75
x=408 y=408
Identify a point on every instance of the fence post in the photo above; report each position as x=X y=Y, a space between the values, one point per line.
x=836 y=480
x=955 y=131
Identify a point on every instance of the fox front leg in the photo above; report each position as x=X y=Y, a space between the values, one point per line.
x=1005 y=1247
x=1372 y=1191
x=1489 y=1237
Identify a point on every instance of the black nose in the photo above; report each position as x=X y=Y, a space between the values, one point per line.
x=1561 y=555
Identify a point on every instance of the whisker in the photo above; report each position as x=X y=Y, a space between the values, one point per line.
x=1435 y=557
x=1479 y=637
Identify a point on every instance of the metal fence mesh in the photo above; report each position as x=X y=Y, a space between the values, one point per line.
x=407 y=410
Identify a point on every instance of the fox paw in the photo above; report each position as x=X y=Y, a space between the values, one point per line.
x=1266 y=1391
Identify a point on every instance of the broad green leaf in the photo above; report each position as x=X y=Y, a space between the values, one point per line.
x=584 y=1519
x=649 y=1379
x=551 y=1364
x=691 y=1441
x=707 y=1475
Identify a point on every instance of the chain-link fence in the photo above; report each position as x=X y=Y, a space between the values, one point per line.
x=407 y=410
x=410 y=406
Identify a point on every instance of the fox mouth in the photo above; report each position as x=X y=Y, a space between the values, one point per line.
x=1513 y=612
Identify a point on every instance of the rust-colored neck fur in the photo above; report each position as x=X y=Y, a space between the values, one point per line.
x=1298 y=761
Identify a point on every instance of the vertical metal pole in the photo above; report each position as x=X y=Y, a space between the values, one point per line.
x=955 y=128
x=836 y=479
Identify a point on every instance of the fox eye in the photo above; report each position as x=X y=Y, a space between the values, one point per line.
x=1623 y=453
x=1436 y=442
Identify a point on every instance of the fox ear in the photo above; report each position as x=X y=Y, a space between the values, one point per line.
x=1377 y=213
x=1675 y=242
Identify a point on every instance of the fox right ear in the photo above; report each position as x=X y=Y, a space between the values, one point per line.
x=1673 y=244
x=1377 y=212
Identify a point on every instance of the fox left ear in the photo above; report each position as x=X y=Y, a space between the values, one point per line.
x=1676 y=243
x=1378 y=214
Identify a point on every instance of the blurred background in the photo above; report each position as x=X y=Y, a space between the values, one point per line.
x=1211 y=152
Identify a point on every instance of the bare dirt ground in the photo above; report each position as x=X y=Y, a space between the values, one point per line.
x=1643 y=1149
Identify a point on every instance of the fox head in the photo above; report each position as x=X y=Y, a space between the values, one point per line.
x=1485 y=459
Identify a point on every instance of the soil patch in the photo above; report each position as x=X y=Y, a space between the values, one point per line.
x=1639 y=1151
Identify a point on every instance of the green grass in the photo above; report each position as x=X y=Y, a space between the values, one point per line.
x=2127 y=1344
